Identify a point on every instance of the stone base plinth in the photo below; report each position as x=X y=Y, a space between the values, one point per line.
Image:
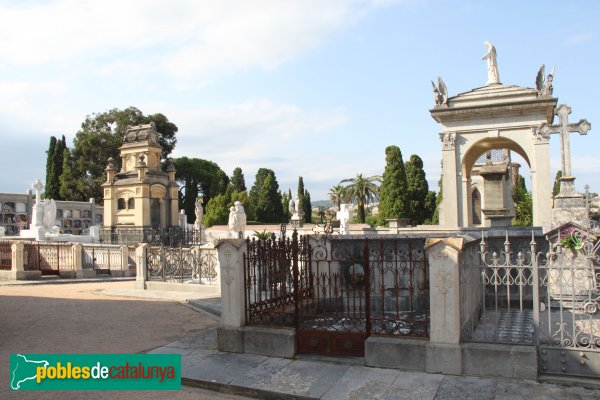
x=500 y=360
x=230 y=339
x=444 y=359
x=397 y=353
x=272 y=342
x=85 y=273
x=297 y=223
x=19 y=275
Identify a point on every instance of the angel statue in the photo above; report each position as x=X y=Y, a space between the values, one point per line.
x=440 y=93
x=49 y=213
x=292 y=207
x=544 y=87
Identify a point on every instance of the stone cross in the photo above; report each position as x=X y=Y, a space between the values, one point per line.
x=38 y=186
x=564 y=129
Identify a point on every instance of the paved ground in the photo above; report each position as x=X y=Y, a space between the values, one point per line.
x=82 y=318
x=114 y=317
x=311 y=378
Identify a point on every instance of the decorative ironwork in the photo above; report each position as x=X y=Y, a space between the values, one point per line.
x=569 y=312
x=5 y=255
x=182 y=265
x=48 y=258
x=171 y=237
x=101 y=258
x=336 y=292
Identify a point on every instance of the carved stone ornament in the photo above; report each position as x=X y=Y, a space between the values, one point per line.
x=541 y=134
x=447 y=139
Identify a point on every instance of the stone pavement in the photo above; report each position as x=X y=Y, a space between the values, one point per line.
x=312 y=378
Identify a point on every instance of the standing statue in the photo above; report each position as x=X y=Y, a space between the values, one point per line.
x=299 y=211
x=344 y=215
x=199 y=213
x=292 y=207
x=490 y=57
x=440 y=93
x=237 y=220
x=544 y=86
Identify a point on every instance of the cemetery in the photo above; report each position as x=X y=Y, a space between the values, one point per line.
x=472 y=295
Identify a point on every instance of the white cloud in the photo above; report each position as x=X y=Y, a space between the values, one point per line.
x=578 y=38
x=193 y=42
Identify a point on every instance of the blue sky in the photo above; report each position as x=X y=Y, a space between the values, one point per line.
x=311 y=88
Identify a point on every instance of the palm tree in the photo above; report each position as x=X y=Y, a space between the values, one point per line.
x=362 y=189
x=337 y=194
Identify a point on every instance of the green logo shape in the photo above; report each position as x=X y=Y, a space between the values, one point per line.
x=95 y=371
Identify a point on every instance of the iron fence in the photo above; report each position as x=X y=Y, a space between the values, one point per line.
x=337 y=291
x=101 y=258
x=182 y=265
x=171 y=237
x=50 y=259
x=5 y=255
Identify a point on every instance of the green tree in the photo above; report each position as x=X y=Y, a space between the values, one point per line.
x=362 y=189
x=556 y=187
x=254 y=194
x=100 y=137
x=304 y=198
x=217 y=211
x=269 y=207
x=431 y=208
x=523 y=204
x=337 y=195
x=49 y=166
x=307 y=207
x=393 y=193
x=285 y=201
x=197 y=176
x=70 y=187
x=418 y=189
x=237 y=180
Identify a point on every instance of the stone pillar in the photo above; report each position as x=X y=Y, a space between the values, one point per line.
x=444 y=353
x=141 y=271
x=125 y=262
x=230 y=335
x=17 y=270
x=450 y=182
x=541 y=186
x=80 y=273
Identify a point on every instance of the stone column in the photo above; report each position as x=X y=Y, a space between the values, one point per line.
x=444 y=353
x=141 y=271
x=80 y=273
x=450 y=181
x=230 y=335
x=125 y=262
x=541 y=186
x=17 y=270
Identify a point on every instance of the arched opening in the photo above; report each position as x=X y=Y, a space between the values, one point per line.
x=121 y=204
x=131 y=203
x=155 y=213
x=491 y=173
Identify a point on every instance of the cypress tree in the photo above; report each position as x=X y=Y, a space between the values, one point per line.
x=269 y=207
x=49 y=169
x=307 y=207
x=556 y=187
x=417 y=190
x=255 y=191
x=237 y=180
x=393 y=193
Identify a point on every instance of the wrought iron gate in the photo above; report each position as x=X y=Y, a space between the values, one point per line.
x=569 y=315
x=50 y=259
x=337 y=291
